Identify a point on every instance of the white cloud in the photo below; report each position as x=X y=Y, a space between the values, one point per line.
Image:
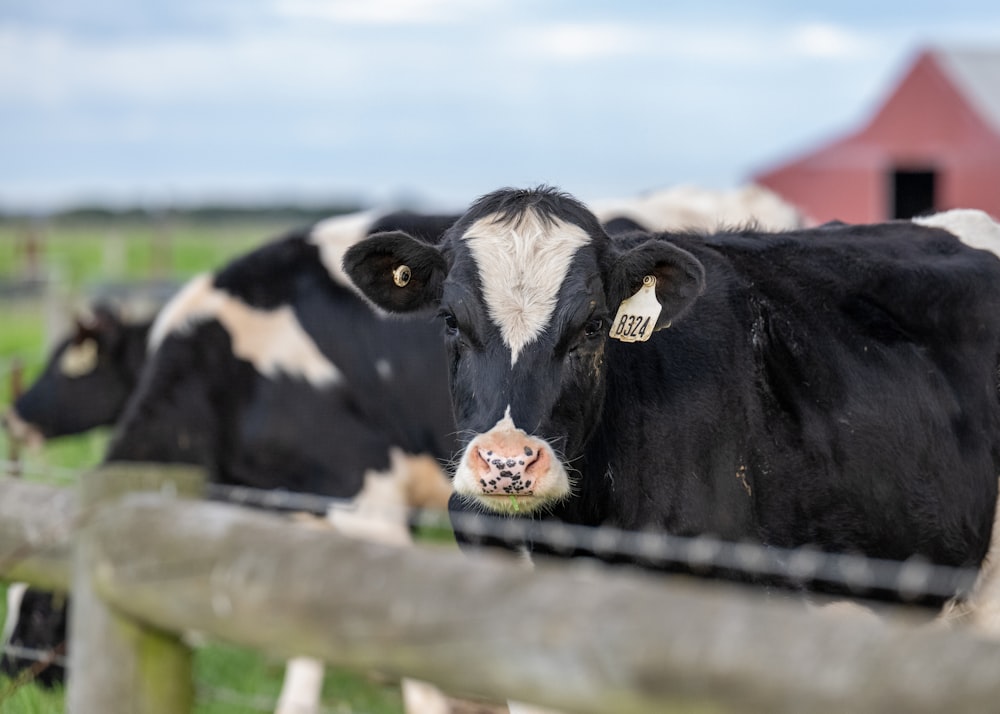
x=578 y=41
x=380 y=12
x=827 y=41
x=712 y=44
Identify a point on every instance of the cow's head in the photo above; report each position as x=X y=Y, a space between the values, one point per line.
x=527 y=285
x=86 y=381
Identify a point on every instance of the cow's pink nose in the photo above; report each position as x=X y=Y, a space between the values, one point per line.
x=505 y=470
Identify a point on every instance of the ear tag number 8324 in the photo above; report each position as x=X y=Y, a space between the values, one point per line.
x=637 y=315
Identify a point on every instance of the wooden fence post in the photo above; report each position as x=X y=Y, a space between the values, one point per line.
x=16 y=389
x=118 y=665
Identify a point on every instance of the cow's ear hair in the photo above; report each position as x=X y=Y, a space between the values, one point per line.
x=680 y=277
x=397 y=272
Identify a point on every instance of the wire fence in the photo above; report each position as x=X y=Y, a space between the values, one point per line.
x=913 y=581
x=803 y=569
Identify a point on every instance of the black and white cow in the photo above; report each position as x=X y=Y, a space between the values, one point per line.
x=273 y=373
x=86 y=381
x=833 y=387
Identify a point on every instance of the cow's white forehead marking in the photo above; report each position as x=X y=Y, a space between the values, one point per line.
x=79 y=360
x=522 y=264
x=273 y=341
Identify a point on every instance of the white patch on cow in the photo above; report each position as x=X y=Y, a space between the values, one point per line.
x=334 y=236
x=423 y=698
x=522 y=264
x=384 y=369
x=301 y=688
x=79 y=360
x=973 y=227
x=15 y=595
x=273 y=341
x=693 y=208
x=195 y=302
x=379 y=511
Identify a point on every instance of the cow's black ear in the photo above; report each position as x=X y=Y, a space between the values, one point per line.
x=397 y=272
x=680 y=277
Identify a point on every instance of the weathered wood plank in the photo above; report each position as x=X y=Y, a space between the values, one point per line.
x=35 y=526
x=582 y=641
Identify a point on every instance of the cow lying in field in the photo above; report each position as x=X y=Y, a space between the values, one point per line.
x=835 y=387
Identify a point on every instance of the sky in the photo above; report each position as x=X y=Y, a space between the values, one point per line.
x=436 y=102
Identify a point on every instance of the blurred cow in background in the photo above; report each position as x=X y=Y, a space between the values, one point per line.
x=86 y=381
x=269 y=373
x=696 y=209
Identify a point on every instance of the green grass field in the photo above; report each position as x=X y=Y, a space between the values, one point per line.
x=230 y=680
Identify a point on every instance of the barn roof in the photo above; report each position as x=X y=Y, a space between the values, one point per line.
x=975 y=73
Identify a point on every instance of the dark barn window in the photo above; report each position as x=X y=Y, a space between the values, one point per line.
x=913 y=192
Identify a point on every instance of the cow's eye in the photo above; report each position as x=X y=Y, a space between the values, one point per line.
x=450 y=323
x=594 y=327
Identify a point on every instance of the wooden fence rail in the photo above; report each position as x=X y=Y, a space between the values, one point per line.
x=582 y=639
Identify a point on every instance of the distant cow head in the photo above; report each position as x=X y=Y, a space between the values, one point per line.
x=86 y=381
x=527 y=284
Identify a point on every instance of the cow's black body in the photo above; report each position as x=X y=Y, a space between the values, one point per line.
x=834 y=387
x=198 y=403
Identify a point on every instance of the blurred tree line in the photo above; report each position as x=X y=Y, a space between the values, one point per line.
x=207 y=213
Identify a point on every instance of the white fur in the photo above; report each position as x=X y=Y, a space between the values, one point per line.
x=79 y=360
x=300 y=690
x=273 y=341
x=334 y=236
x=701 y=209
x=971 y=226
x=15 y=594
x=522 y=264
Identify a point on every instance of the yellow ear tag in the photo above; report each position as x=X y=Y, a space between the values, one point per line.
x=637 y=315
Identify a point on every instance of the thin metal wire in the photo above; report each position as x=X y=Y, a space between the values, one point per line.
x=35 y=655
x=909 y=580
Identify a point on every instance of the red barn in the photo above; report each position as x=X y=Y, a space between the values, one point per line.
x=934 y=144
